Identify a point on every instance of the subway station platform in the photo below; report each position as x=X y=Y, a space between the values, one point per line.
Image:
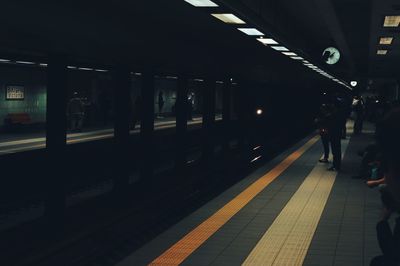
x=291 y=211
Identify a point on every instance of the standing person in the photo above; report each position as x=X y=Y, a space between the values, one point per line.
x=160 y=102
x=190 y=102
x=359 y=111
x=322 y=123
x=76 y=112
x=389 y=240
x=335 y=124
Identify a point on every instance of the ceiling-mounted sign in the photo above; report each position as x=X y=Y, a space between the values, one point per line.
x=331 y=55
x=15 y=93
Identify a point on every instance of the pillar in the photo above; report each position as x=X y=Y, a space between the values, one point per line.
x=208 y=119
x=56 y=127
x=147 y=125
x=122 y=104
x=226 y=115
x=181 y=122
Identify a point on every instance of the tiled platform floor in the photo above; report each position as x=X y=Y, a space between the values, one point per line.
x=343 y=235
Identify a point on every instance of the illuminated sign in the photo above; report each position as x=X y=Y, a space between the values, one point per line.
x=16 y=93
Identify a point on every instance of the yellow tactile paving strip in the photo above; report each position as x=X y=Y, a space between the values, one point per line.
x=180 y=251
x=287 y=240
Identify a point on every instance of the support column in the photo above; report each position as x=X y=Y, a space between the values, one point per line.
x=226 y=114
x=226 y=101
x=208 y=120
x=122 y=104
x=181 y=122
x=147 y=125
x=56 y=127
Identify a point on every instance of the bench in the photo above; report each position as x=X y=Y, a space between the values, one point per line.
x=17 y=119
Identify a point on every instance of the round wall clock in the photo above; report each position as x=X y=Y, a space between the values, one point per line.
x=331 y=55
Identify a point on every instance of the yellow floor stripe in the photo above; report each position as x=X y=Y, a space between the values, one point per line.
x=176 y=254
x=287 y=240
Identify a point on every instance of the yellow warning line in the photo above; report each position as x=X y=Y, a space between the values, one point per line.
x=287 y=240
x=181 y=250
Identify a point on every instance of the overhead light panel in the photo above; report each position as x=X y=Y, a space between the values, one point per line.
x=280 y=48
x=25 y=62
x=85 y=68
x=267 y=41
x=229 y=18
x=391 y=21
x=381 y=52
x=297 y=58
x=251 y=31
x=202 y=3
x=289 y=53
x=4 y=60
x=386 y=40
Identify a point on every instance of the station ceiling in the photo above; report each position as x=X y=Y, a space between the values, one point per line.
x=175 y=36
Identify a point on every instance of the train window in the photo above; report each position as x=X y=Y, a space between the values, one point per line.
x=22 y=107
x=90 y=109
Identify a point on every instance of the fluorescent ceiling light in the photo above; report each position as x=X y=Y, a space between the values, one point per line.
x=267 y=41
x=101 y=70
x=280 y=48
x=228 y=18
x=25 y=62
x=5 y=60
x=386 y=40
x=71 y=67
x=289 y=53
x=202 y=3
x=382 y=52
x=305 y=62
x=391 y=21
x=251 y=31
x=220 y=82
x=171 y=77
x=200 y=80
x=42 y=64
x=297 y=58
x=85 y=68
